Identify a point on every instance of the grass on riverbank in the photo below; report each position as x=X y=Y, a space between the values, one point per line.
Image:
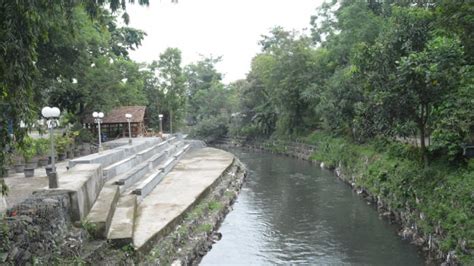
x=438 y=199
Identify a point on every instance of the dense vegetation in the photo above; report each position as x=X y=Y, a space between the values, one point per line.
x=372 y=76
x=368 y=69
x=75 y=55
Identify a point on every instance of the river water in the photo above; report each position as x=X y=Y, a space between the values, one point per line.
x=292 y=212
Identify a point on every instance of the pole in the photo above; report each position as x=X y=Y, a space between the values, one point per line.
x=161 y=126
x=171 y=121
x=53 y=176
x=53 y=167
x=100 y=137
x=129 y=133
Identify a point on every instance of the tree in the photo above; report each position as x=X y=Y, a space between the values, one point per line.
x=171 y=85
x=203 y=84
x=80 y=73
x=424 y=79
x=23 y=25
x=258 y=112
x=453 y=124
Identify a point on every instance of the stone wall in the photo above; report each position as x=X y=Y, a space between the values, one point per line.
x=38 y=230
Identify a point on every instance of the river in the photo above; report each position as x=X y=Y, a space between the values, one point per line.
x=291 y=212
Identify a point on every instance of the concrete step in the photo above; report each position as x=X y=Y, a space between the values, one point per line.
x=121 y=228
x=148 y=153
x=182 y=151
x=130 y=162
x=150 y=182
x=147 y=183
x=120 y=167
x=116 y=154
x=129 y=181
x=168 y=165
x=155 y=161
x=128 y=178
x=100 y=216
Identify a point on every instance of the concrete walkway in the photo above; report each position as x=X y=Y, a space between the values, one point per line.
x=20 y=187
x=187 y=182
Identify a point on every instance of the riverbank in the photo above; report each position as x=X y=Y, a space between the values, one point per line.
x=179 y=216
x=188 y=240
x=420 y=199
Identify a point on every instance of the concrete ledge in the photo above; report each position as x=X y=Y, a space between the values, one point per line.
x=139 y=145
x=105 y=158
x=181 y=152
x=168 y=165
x=83 y=184
x=120 y=167
x=170 y=150
x=156 y=160
x=119 y=153
x=147 y=185
x=172 y=140
x=148 y=153
x=129 y=178
x=121 y=228
x=103 y=210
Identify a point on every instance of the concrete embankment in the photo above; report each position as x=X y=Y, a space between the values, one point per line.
x=176 y=222
x=167 y=213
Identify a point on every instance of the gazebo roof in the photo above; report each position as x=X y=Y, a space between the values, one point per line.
x=117 y=115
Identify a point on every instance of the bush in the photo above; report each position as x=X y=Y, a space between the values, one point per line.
x=26 y=149
x=81 y=135
x=211 y=129
x=249 y=132
x=42 y=146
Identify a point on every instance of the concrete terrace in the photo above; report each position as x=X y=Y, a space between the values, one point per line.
x=131 y=194
x=179 y=190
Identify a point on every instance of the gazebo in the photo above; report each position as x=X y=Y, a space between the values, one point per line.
x=115 y=124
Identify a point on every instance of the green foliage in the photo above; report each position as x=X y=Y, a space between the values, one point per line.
x=45 y=46
x=215 y=205
x=88 y=226
x=204 y=228
x=211 y=129
x=42 y=146
x=63 y=143
x=3 y=188
x=166 y=92
x=207 y=96
x=27 y=148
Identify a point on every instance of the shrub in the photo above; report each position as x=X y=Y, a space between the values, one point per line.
x=211 y=129
x=42 y=146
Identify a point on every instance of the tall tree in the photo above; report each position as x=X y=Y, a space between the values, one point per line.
x=203 y=84
x=171 y=84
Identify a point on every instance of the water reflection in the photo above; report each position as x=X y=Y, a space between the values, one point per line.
x=291 y=212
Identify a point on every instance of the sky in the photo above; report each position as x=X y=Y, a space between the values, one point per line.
x=227 y=28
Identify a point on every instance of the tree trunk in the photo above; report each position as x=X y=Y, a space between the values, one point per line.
x=423 y=145
x=422 y=127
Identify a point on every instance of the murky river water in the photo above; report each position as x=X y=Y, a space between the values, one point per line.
x=291 y=212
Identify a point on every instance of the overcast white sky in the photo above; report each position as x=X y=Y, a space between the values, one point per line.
x=227 y=28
